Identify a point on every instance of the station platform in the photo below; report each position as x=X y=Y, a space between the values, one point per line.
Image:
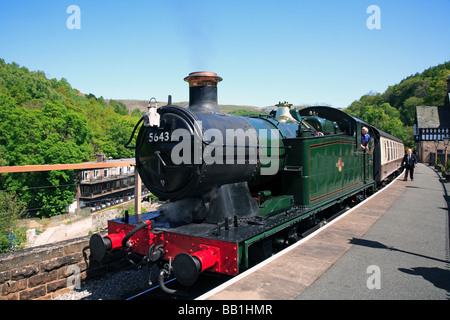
x=394 y=245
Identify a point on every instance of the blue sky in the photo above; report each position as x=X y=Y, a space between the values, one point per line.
x=305 y=52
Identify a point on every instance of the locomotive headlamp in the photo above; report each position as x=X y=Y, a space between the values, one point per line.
x=151 y=118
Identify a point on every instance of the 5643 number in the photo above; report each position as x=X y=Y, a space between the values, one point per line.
x=159 y=137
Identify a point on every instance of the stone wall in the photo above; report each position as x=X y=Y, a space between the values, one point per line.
x=47 y=271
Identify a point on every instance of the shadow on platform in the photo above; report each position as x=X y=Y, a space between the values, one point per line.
x=440 y=278
x=379 y=245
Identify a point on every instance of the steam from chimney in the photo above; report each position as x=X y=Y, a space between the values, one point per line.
x=196 y=30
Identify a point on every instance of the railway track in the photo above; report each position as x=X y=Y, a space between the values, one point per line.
x=209 y=281
x=205 y=283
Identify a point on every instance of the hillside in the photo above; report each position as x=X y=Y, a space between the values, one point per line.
x=143 y=104
x=394 y=110
x=46 y=121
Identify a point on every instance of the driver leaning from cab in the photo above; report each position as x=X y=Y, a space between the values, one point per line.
x=365 y=138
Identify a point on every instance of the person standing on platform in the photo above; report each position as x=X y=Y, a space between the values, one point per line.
x=409 y=163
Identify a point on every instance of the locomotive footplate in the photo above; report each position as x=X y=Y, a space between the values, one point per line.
x=224 y=247
x=225 y=243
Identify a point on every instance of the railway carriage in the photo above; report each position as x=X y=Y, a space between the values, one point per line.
x=390 y=155
x=238 y=187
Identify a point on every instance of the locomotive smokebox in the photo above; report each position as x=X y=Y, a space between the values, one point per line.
x=200 y=156
x=203 y=91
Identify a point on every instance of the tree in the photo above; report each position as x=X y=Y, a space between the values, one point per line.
x=137 y=113
x=10 y=211
x=398 y=103
x=385 y=118
x=247 y=112
x=48 y=136
x=408 y=110
x=119 y=107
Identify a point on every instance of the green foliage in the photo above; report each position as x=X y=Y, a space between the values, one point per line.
x=426 y=88
x=46 y=121
x=119 y=107
x=137 y=113
x=383 y=117
x=10 y=211
x=246 y=112
x=394 y=111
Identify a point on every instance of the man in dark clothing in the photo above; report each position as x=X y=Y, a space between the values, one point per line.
x=409 y=163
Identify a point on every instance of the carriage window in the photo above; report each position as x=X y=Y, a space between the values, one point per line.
x=390 y=150
x=385 y=150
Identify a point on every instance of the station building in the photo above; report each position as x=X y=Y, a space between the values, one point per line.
x=432 y=131
x=100 y=188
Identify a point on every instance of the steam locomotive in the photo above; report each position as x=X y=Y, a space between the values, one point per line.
x=238 y=187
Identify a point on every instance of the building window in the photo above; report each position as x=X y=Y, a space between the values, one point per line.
x=85 y=175
x=84 y=190
x=96 y=174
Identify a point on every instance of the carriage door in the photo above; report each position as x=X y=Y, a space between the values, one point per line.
x=365 y=156
x=368 y=158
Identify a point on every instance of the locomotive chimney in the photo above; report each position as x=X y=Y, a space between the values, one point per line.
x=203 y=91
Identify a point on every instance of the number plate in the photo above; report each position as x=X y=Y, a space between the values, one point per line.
x=163 y=136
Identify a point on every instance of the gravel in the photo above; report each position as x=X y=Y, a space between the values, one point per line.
x=117 y=286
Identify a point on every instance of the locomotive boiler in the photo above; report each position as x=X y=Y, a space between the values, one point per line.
x=237 y=187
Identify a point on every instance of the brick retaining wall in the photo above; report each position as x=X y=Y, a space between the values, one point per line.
x=45 y=272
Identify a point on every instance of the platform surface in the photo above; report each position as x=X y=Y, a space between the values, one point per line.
x=393 y=246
